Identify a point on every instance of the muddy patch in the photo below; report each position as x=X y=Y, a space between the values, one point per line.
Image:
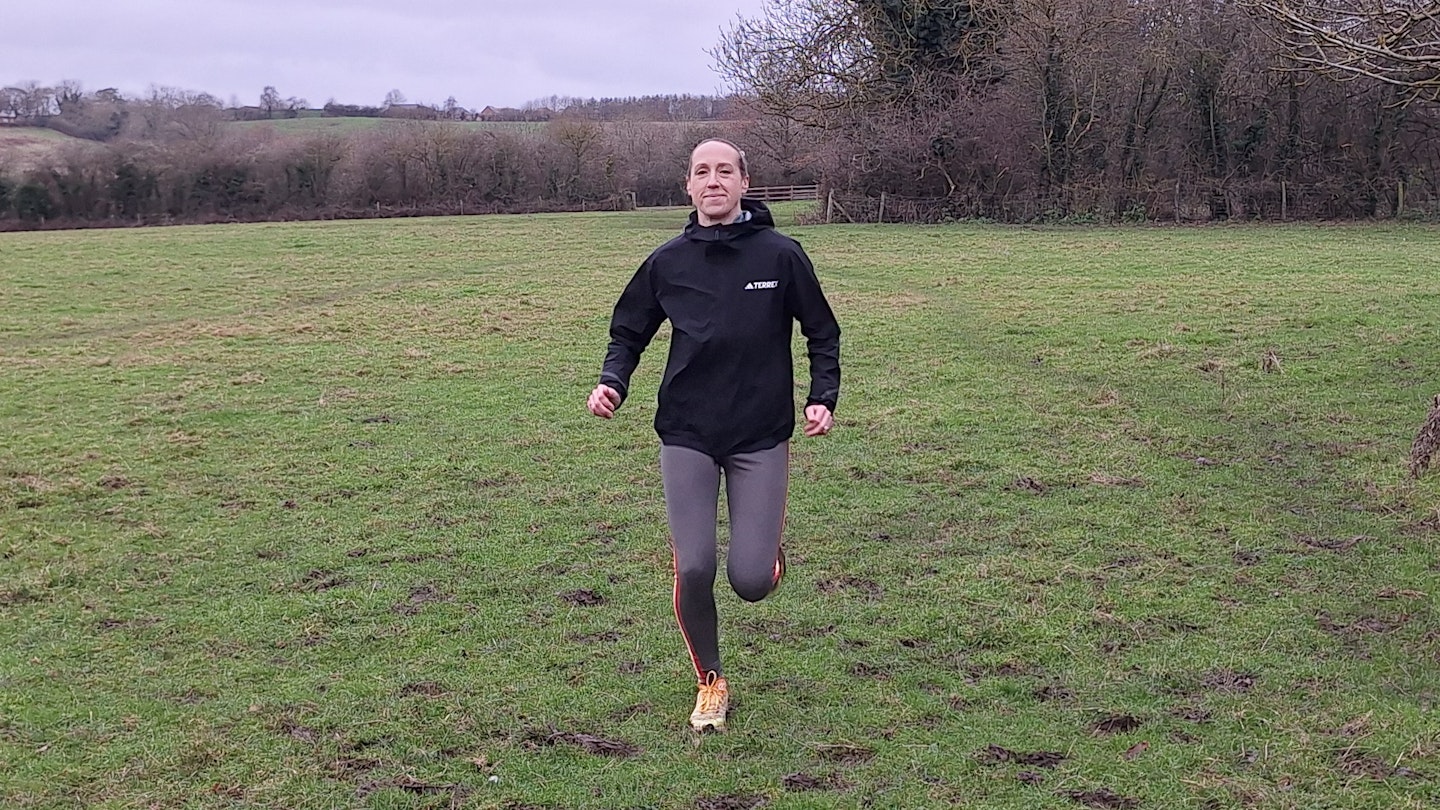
x=592 y=744
x=778 y=630
x=1365 y=765
x=1054 y=691
x=802 y=782
x=286 y=725
x=868 y=587
x=1337 y=545
x=1191 y=714
x=424 y=689
x=847 y=754
x=1361 y=628
x=999 y=755
x=583 y=597
x=317 y=580
x=1101 y=797
x=345 y=768
x=1228 y=681
x=1245 y=559
x=108 y=625
x=418 y=599
x=114 y=482
x=1116 y=724
x=624 y=713
x=1028 y=485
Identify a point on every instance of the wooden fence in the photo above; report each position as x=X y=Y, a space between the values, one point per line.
x=784 y=193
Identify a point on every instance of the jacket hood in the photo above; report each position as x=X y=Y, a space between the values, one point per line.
x=759 y=219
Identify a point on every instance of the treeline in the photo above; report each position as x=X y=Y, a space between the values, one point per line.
x=103 y=115
x=1050 y=109
x=191 y=173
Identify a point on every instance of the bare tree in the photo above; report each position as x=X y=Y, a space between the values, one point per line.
x=394 y=97
x=269 y=101
x=1396 y=42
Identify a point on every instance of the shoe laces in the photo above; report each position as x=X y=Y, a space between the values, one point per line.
x=713 y=692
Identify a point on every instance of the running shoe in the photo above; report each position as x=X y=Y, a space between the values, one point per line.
x=711 y=704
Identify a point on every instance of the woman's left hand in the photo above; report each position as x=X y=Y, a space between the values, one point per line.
x=818 y=420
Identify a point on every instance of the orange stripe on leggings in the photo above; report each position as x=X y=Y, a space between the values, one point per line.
x=675 y=605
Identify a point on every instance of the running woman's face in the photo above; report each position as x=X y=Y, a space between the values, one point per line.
x=716 y=183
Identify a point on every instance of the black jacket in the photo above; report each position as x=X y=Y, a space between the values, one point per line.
x=731 y=293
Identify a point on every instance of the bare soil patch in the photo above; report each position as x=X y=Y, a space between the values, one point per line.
x=1116 y=724
x=583 y=597
x=593 y=744
x=419 y=598
x=1101 y=797
x=999 y=755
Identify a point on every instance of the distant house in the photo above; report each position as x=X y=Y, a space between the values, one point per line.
x=513 y=114
x=413 y=111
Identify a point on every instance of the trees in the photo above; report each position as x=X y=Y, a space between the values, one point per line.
x=269 y=101
x=1395 y=42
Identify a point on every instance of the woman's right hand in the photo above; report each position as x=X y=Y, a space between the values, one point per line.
x=603 y=401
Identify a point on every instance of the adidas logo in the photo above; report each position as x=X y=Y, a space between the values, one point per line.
x=762 y=285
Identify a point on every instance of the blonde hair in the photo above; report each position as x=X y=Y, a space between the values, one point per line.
x=744 y=164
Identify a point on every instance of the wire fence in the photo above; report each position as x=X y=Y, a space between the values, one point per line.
x=1176 y=201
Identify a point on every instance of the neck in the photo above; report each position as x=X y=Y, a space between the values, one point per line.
x=729 y=219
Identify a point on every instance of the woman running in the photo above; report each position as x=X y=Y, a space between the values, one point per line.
x=732 y=288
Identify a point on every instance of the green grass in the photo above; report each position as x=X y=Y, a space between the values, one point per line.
x=309 y=515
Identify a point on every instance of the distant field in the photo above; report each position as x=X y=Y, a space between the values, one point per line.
x=312 y=516
x=348 y=125
x=22 y=148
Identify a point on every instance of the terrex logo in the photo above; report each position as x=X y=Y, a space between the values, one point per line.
x=762 y=285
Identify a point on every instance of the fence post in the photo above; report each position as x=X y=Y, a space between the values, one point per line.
x=829 y=206
x=1284 y=200
x=881 y=218
x=1400 y=199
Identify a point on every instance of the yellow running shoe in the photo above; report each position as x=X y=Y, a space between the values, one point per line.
x=711 y=704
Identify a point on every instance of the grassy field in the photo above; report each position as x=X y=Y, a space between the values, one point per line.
x=350 y=125
x=311 y=515
x=22 y=148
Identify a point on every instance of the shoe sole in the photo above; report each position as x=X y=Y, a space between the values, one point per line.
x=711 y=725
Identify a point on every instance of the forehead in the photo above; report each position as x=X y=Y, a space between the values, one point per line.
x=714 y=153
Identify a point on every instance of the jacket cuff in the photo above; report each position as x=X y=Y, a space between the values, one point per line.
x=618 y=386
x=829 y=403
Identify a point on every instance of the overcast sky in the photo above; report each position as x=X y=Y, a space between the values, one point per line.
x=500 y=52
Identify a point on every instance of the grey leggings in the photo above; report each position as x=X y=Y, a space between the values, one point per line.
x=755 y=489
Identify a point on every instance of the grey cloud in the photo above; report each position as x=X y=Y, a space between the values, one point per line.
x=482 y=53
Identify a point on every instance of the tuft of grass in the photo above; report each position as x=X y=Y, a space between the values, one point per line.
x=311 y=514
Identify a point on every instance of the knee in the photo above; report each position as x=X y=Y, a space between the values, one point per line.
x=698 y=576
x=752 y=586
